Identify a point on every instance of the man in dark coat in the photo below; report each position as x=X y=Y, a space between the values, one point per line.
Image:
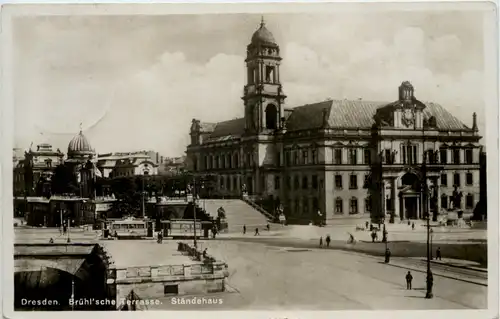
x=328 y=240
x=409 y=278
x=438 y=253
x=244 y=229
x=387 y=255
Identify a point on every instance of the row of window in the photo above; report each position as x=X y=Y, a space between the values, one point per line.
x=409 y=156
x=299 y=157
x=307 y=182
x=302 y=206
x=446 y=200
x=353 y=205
x=222 y=161
x=457 y=181
x=298 y=183
x=310 y=156
x=225 y=183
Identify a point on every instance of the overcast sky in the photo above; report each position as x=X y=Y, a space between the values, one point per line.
x=135 y=82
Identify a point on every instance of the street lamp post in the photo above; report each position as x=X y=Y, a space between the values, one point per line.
x=194 y=211
x=432 y=232
x=425 y=209
x=142 y=199
x=69 y=226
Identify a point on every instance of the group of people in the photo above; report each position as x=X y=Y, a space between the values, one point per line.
x=327 y=240
x=268 y=228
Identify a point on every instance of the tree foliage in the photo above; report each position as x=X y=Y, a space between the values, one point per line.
x=64 y=180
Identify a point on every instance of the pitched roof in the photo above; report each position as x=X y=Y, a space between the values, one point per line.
x=207 y=127
x=232 y=128
x=358 y=114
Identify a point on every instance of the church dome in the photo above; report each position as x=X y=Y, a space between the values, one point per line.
x=263 y=35
x=79 y=145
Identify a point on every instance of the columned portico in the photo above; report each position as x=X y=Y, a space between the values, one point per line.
x=410 y=206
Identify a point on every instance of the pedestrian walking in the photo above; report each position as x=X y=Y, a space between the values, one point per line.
x=387 y=256
x=409 y=279
x=321 y=242
x=374 y=235
x=256 y=231
x=412 y=226
x=366 y=224
x=244 y=229
x=268 y=227
x=438 y=253
x=351 y=239
x=409 y=223
x=328 y=240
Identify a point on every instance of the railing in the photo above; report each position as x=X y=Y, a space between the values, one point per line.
x=250 y=202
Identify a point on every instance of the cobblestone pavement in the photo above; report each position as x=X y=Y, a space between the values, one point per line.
x=265 y=277
x=396 y=232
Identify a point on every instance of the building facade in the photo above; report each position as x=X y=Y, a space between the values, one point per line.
x=127 y=164
x=338 y=157
x=41 y=162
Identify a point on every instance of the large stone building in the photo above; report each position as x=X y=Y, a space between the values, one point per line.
x=331 y=156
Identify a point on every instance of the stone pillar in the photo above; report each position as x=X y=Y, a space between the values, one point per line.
x=419 y=212
x=384 y=200
x=395 y=198
x=402 y=207
x=345 y=155
x=438 y=195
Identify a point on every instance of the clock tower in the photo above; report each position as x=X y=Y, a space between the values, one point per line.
x=263 y=93
x=408 y=113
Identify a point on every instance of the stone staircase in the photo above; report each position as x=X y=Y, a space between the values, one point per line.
x=238 y=213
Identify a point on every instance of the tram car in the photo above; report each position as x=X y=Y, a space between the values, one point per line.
x=129 y=229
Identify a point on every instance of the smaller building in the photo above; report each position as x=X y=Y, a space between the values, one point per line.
x=42 y=163
x=50 y=212
x=172 y=166
x=126 y=164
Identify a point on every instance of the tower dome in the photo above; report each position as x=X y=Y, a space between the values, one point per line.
x=263 y=35
x=79 y=146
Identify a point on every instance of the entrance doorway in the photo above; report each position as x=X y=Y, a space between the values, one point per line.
x=411 y=207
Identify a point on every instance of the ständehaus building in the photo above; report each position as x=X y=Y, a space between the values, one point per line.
x=338 y=157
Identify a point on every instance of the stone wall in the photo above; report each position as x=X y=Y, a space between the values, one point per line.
x=149 y=282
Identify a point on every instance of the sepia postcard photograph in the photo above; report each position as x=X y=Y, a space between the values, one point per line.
x=257 y=157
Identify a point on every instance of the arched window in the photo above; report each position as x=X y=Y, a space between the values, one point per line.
x=271 y=117
x=195 y=163
x=368 y=204
x=338 y=206
x=444 y=201
x=353 y=206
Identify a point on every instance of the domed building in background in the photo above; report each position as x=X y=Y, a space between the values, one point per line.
x=81 y=158
x=80 y=150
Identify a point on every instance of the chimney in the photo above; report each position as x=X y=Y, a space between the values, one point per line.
x=474 y=122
